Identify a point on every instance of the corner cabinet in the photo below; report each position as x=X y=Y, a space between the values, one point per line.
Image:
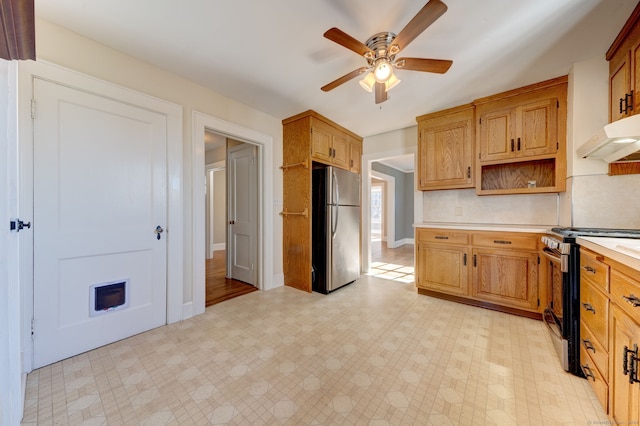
x=492 y=269
x=445 y=149
x=521 y=139
x=308 y=137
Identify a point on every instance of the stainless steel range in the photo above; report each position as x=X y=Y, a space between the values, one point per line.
x=562 y=314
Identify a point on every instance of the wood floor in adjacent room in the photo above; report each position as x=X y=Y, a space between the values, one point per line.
x=220 y=288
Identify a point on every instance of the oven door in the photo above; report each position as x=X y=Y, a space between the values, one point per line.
x=553 y=315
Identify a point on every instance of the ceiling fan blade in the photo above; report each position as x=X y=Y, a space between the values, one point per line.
x=337 y=82
x=427 y=16
x=381 y=93
x=439 y=66
x=345 y=40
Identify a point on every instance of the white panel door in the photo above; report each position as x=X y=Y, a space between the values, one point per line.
x=100 y=191
x=243 y=214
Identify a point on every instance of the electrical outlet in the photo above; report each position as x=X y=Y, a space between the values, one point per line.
x=458 y=211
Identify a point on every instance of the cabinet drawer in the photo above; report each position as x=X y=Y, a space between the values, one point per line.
x=594 y=378
x=594 y=313
x=442 y=236
x=625 y=292
x=594 y=349
x=593 y=270
x=506 y=241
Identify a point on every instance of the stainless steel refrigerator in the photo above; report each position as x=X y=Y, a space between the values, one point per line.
x=336 y=228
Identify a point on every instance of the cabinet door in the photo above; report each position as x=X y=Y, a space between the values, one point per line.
x=496 y=135
x=443 y=268
x=635 y=78
x=341 y=148
x=321 y=140
x=619 y=84
x=508 y=278
x=624 y=399
x=537 y=125
x=355 y=156
x=445 y=156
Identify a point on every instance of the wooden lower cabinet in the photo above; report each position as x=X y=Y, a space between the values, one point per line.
x=444 y=268
x=625 y=333
x=610 y=334
x=506 y=277
x=498 y=270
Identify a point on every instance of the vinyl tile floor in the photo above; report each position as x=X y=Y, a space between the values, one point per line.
x=372 y=353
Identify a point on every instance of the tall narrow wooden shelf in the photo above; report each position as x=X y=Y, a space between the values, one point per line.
x=308 y=137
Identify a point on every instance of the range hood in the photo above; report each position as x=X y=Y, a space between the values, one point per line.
x=617 y=141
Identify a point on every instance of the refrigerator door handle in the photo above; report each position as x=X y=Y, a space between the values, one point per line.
x=337 y=187
x=336 y=206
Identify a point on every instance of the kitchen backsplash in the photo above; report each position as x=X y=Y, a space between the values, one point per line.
x=602 y=201
x=464 y=206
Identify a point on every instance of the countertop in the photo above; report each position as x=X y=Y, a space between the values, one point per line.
x=541 y=229
x=623 y=250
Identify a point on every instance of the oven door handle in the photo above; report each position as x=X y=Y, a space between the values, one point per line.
x=546 y=314
x=562 y=260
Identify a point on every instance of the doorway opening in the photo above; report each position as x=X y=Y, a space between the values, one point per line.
x=263 y=144
x=222 y=283
x=390 y=243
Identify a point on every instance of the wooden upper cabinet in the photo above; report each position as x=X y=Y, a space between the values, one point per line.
x=521 y=140
x=445 y=149
x=330 y=145
x=624 y=70
x=519 y=127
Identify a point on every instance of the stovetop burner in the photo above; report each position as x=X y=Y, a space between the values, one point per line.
x=596 y=232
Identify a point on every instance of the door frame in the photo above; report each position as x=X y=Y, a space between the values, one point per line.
x=389 y=207
x=210 y=169
x=201 y=122
x=29 y=70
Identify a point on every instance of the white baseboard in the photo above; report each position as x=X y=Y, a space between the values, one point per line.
x=278 y=281
x=400 y=243
x=187 y=310
x=219 y=246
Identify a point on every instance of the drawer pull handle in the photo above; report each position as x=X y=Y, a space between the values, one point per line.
x=588 y=345
x=587 y=307
x=501 y=242
x=632 y=300
x=441 y=237
x=630 y=363
x=587 y=372
x=589 y=269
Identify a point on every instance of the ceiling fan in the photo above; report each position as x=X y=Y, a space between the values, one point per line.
x=381 y=49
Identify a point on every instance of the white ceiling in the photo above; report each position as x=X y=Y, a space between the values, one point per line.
x=272 y=56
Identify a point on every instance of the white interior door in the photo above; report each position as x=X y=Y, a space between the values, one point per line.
x=100 y=191
x=243 y=214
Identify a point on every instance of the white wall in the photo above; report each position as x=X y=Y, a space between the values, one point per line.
x=60 y=46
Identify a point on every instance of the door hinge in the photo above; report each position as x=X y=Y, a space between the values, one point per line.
x=538 y=303
x=252 y=266
x=557 y=145
x=557 y=104
x=33 y=108
x=538 y=260
x=480 y=120
x=33 y=327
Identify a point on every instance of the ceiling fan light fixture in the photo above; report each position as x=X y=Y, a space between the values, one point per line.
x=383 y=71
x=392 y=82
x=368 y=82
